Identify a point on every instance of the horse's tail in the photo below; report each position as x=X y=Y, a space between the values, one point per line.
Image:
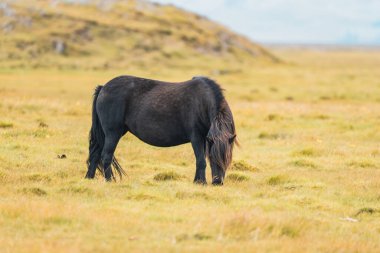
x=96 y=144
x=221 y=137
x=96 y=139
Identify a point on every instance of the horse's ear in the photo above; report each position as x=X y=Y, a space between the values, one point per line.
x=232 y=139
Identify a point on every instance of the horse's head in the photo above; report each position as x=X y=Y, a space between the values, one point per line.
x=220 y=156
x=220 y=142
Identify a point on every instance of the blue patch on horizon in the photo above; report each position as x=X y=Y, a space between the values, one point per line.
x=349 y=38
x=376 y=24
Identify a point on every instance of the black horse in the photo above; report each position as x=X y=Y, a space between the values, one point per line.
x=162 y=114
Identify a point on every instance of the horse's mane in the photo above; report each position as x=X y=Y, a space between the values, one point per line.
x=221 y=135
x=217 y=91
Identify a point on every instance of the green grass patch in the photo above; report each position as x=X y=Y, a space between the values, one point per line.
x=237 y=177
x=274 y=117
x=197 y=236
x=277 y=180
x=34 y=191
x=38 y=178
x=5 y=124
x=271 y=136
x=243 y=166
x=304 y=163
x=141 y=197
x=168 y=176
x=309 y=152
x=58 y=221
x=362 y=164
x=80 y=190
x=289 y=231
x=202 y=236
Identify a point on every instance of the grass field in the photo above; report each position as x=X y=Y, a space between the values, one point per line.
x=305 y=179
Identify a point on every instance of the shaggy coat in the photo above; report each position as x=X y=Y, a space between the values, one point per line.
x=162 y=114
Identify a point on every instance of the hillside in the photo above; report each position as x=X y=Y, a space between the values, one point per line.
x=115 y=34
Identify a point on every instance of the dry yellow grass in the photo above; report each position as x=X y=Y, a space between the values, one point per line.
x=306 y=177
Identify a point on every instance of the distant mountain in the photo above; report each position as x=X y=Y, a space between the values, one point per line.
x=112 y=34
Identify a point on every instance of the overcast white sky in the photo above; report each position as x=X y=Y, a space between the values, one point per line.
x=294 y=21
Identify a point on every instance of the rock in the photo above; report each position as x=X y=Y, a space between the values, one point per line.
x=7 y=11
x=349 y=219
x=59 y=46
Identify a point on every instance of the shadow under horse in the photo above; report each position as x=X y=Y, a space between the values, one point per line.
x=162 y=114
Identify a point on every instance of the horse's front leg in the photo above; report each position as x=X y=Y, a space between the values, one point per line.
x=199 y=146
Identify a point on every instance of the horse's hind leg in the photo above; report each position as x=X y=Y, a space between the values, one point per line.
x=110 y=143
x=198 y=143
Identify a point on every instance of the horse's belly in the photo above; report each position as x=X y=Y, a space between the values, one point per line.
x=160 y=133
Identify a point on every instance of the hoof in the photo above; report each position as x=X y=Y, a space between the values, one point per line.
x=199 y=181
x=88 y=177
x=217 y=182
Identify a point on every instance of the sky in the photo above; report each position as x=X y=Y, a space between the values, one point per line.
x=348 y=22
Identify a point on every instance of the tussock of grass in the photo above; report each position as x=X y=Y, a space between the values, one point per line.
x=168 y=176
x=237 y=177
x=42 y=124
x=362 y=164
x=141 y=197
x=182 y=237
x=289 y=98
x=197 y=236
x=34 y=191
x=316 y=116
x=311 y=152
x=304 y=163
x=57 y=220
x=271 y=136
x=202 y=236
x=322 y=116
x=273 y=117
x=6 y=124
x=77 y=190
x=38 y=178
x=20 y=147
x=325 y=98
x=367 y=210
x=146 y=183
x=273 y=89
x=277 y=180
x=289 y=231
x=243 y=166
